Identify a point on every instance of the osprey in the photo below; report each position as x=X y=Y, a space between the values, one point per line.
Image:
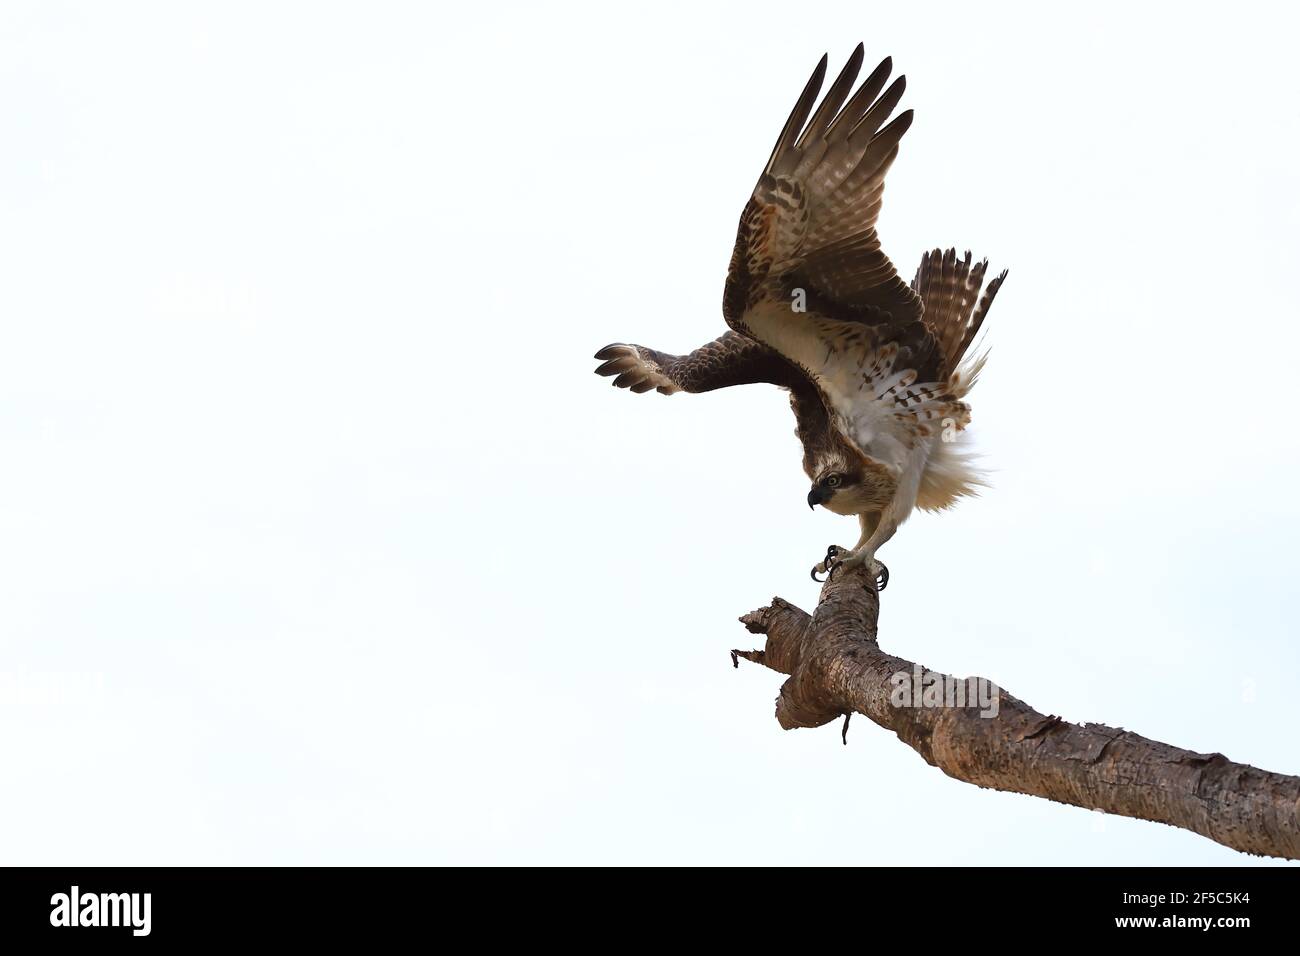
x=877 y=370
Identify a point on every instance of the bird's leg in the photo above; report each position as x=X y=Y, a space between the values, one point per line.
x=837 y=557
x=877 y=528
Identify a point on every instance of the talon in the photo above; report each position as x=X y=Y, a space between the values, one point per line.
x=882 y=579
x=828 y=566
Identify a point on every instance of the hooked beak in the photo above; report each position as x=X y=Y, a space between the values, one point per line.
x=815 y=497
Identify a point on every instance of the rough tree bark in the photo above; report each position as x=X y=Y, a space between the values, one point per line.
x=836 y=668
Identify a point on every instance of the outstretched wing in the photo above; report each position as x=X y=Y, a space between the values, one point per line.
x=808 y=277
x=732 y=359
x=813 y=213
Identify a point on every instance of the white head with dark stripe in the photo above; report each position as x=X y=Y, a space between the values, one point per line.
x=846 y=484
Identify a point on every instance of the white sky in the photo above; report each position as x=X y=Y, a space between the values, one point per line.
x=319 y=541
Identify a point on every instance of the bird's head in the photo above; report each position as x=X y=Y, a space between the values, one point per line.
x=846 y=484
x=836 y=485
x=834 y=491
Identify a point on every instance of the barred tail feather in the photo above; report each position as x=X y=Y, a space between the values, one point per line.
x=954 y=308
x=956 y=304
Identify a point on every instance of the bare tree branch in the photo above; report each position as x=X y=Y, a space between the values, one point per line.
x=836 y=667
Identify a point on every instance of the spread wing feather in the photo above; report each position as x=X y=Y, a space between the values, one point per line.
x=814 y=304
x=809 y=279
x=731 y=359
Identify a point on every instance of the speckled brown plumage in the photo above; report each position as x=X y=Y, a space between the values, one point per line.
x=950 y=289
x=731 y=359
x=874 y=364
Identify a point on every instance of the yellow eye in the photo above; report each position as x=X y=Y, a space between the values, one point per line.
x=833 y=481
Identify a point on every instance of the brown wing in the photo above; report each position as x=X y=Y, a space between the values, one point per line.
x=732 y=359
x=811 y=221
x=809 y=279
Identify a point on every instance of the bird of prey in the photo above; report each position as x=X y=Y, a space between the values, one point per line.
x=877 y=370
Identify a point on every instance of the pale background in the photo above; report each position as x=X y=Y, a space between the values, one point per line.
x=320 y=543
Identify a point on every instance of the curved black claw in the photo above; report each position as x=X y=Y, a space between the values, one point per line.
x=830 y=564
x=882 y=580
